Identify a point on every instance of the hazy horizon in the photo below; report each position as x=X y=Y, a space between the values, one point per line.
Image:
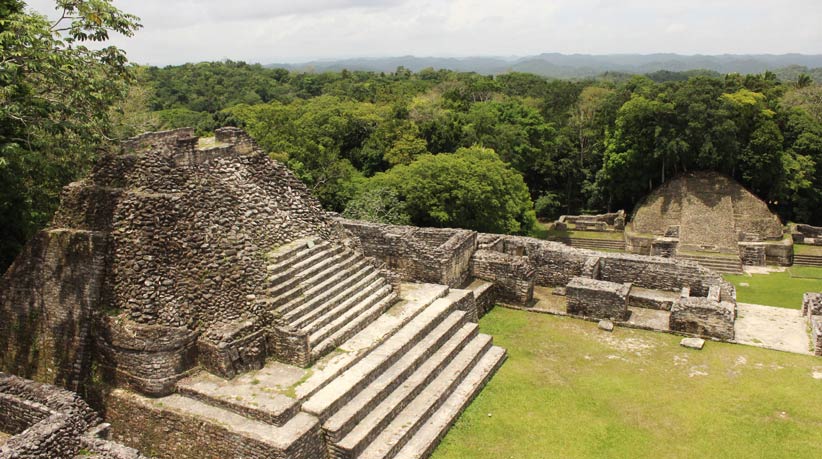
x=291 y=32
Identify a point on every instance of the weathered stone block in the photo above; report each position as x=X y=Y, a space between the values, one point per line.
x=596 y=298
x=693 y=343
x=513 y=275
x=816 y=334
x=703 y=317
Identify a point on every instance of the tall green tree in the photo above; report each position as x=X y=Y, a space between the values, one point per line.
x=472 y=188
x=56 y=92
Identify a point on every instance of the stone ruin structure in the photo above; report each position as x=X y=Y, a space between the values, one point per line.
x=812 y=309
x=708 y=217
x=199 y=297
x=201 y=300
x=598 y=285
x=613 y=221
x=45 y=421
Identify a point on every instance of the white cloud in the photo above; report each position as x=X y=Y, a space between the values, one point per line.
x=287 y=31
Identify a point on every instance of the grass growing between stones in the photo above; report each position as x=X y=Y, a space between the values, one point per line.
x=569 y=390
x=776 y=289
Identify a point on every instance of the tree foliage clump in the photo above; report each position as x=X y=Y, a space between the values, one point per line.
x=471 y=188
x=58 y=82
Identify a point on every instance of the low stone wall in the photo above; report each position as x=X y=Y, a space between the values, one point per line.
x=47 y=422
x=812 y=304
x=704 y=317
x=513 y=276
x=807 y=231
x=598 y=299
x=167 y=433
x=436 y=255
x=766 y=253
x=650 y=299
x=485 y=297
x=816 y=334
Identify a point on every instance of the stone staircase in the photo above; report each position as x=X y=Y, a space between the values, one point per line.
x=728 y=265
x=392 y=391
x=321 y=294
x=411 y=388
x=594 y=244
x=808 y=260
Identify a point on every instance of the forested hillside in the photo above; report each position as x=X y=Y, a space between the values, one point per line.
x=359 y=138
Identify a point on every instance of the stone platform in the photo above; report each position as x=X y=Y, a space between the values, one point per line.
x=768 y=327
x=772 y=328
x=391 y=390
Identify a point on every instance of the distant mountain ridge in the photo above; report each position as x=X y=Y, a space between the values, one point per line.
x=557 y=65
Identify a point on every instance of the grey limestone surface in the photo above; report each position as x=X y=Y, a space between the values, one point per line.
x=773 y=328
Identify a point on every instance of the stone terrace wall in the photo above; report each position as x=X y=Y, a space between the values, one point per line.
x=47 y=300
x=47 y=422
x=143 y=425
x=513 y=276
x=437 y=255
x=556 y=264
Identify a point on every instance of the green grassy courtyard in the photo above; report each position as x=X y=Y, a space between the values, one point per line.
x=783 y=289
x=569 y=390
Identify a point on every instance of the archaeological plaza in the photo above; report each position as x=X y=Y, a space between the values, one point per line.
x=191 y=299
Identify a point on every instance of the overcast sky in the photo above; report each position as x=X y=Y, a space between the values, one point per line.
x=269 y=31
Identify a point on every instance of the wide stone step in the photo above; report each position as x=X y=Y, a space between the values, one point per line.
x=372 y=409
x=266 y=406
x=807 y=260
x=331 y=397
x=280 y=281
x=416 y=298
x=348 y=324
x=349 y=272
x=426 y=439
x=294 y=252
x=412 y=417
x=342 y=302
x=278 y=439
x=296 y=297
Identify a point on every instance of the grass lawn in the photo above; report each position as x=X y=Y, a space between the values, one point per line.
x=569 y=390
x=777 y=289
x=801 y=249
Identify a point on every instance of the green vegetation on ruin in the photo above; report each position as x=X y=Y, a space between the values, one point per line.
x=782 y=289
x=570 y=390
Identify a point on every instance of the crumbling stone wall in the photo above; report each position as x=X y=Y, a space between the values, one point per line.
x=595 y=298
x=437 y=255
x=704 y=316
x=812 y=309
x=512 y=275
x=47 y=300
x=47 y=422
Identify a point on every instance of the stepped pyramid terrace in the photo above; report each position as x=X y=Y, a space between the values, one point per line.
x=197 y=297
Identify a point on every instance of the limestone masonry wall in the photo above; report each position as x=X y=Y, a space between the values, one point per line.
x=438 y=255
x=514 y=264
x=595 y=298
x=167 y=431
x=48 y=422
